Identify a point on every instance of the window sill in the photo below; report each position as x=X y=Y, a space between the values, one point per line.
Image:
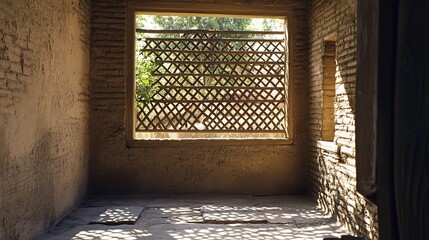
x=328 y=146
x=154 y=143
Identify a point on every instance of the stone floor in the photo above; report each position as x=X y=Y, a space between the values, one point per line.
x=198 y=217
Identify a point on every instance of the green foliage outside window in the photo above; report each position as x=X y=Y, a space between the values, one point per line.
x=145 y=81
x=206 y=23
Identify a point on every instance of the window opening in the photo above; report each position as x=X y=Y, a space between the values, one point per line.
x=210 y=77
x=328 y=85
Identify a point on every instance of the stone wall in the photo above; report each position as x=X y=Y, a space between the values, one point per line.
x=332 y=163
x=44 y=112
x=258 y=168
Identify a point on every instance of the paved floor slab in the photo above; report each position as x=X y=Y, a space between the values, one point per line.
x=118 y=215
x=232 y=214
x=182 y=217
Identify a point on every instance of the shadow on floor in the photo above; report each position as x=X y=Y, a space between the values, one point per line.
x=202 y=218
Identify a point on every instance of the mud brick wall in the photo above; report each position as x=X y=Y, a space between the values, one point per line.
x=44 y=113
x=332 y=165
x=114 y=168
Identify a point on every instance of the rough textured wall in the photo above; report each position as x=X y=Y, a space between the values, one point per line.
x=202 y=169
x=44 y=112
x=333 y=163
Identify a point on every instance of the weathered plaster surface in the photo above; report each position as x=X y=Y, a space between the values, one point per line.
x=204 y=169
x=44 y=112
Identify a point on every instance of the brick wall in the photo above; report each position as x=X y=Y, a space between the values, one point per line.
x=333 y=163
x=215 y=168
x=44 y=112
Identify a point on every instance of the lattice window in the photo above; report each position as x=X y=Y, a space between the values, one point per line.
x=214 y=81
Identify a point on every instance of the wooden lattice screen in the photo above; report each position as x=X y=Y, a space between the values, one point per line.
x=214 y=81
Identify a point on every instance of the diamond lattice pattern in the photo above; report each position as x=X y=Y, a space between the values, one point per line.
x=209 y=81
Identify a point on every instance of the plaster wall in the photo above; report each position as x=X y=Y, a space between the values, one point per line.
x=332 y=163
x=214 y=168
x=44 y=113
